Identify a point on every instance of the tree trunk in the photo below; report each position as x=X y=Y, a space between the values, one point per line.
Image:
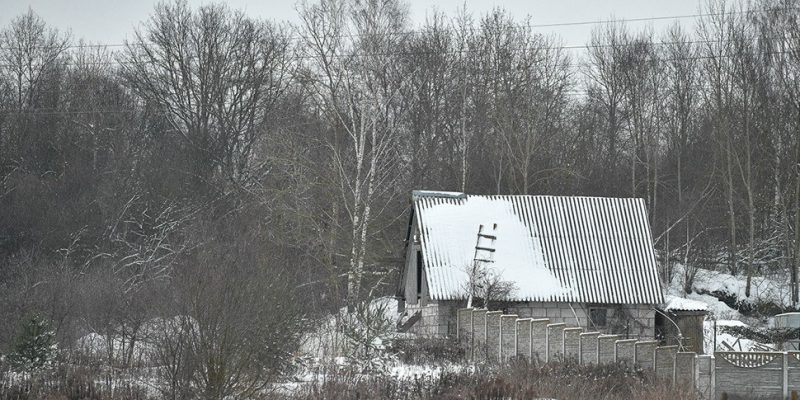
x=796 y=266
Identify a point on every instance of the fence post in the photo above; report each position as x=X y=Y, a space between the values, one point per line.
x=508 y=336
x=606 y=348
x=555 y=341
x=665 y=362
x=479 y=335
x=464 y=328
x=572 y=343
x=704 y=376
x=524 y=338
x=644 y=355
x=493 y=336
x=539 y=338
x=685 y=368
x=625 y=351
x=588 y=348
x=785 y=375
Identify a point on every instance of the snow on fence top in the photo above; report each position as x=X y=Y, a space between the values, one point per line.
x=554 y=248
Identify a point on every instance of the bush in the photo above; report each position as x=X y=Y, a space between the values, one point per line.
x=35 y=346
x=419 y=351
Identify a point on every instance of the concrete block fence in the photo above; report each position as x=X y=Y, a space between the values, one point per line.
x=492 y=336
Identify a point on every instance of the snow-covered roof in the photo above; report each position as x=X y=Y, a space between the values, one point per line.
x=675 y=303
x=554 y=248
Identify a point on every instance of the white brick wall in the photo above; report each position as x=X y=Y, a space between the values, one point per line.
x=439 y=317
x=562 y=312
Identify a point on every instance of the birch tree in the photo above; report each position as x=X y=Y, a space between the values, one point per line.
x=355 y=83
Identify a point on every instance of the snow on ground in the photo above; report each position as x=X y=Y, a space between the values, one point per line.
x=763 y=290
x=736 y=343
x=326 y=342
x=769 y=289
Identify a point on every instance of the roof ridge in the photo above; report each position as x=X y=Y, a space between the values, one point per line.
x=461 y=195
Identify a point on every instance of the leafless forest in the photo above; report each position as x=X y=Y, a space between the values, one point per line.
x=238 y=178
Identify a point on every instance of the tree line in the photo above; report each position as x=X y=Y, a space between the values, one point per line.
x=224 y=167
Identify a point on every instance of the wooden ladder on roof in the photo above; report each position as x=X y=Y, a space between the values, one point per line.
x=484 y=250
x=485 y=244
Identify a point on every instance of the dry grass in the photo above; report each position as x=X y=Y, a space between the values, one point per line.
x=66 y=382
x=518 y=380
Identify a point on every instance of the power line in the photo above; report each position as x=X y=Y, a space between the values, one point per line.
x=419 y=31
x=432 y=52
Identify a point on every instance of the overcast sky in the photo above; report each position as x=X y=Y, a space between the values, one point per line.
x=111 y=21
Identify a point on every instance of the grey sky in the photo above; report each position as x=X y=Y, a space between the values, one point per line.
x=111 y=21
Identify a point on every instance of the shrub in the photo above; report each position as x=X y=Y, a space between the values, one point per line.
x=35 y=346
x=418 y=351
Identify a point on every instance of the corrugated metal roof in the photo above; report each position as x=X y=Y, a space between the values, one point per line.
x=555 y=248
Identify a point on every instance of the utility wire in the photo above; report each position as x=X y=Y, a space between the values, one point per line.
x=420 y=31
x=447 y=52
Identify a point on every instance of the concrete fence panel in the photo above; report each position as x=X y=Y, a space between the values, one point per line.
x=645 y=354
x=704 y=376
x=665 y=362
x=464 y=326
x=625 y=351
x=684 y=368
x=751 y=374
x=793 y=372
x=589 y=348
x=539 y=339
x=479 y=335
x=555 y=341
x=572 y=343
x=606 y=348
x=524 y=338
x=508 y=336
x=493 y=335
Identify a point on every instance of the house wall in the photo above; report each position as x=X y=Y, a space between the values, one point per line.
x=439 y=317
x=631 y=320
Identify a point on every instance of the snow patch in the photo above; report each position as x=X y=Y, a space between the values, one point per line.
x=684 y=304
x=763 y=289
x=738 y=344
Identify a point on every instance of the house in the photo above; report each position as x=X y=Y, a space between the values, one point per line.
x=585 y=261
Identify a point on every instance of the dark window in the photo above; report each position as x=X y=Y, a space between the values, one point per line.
x=598 y=316
x=419 y=273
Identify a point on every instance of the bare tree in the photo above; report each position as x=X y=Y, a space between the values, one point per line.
x=217 y=75
x=486 y=286
x=530 y=102
x=605 y=87
x=717 y=51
